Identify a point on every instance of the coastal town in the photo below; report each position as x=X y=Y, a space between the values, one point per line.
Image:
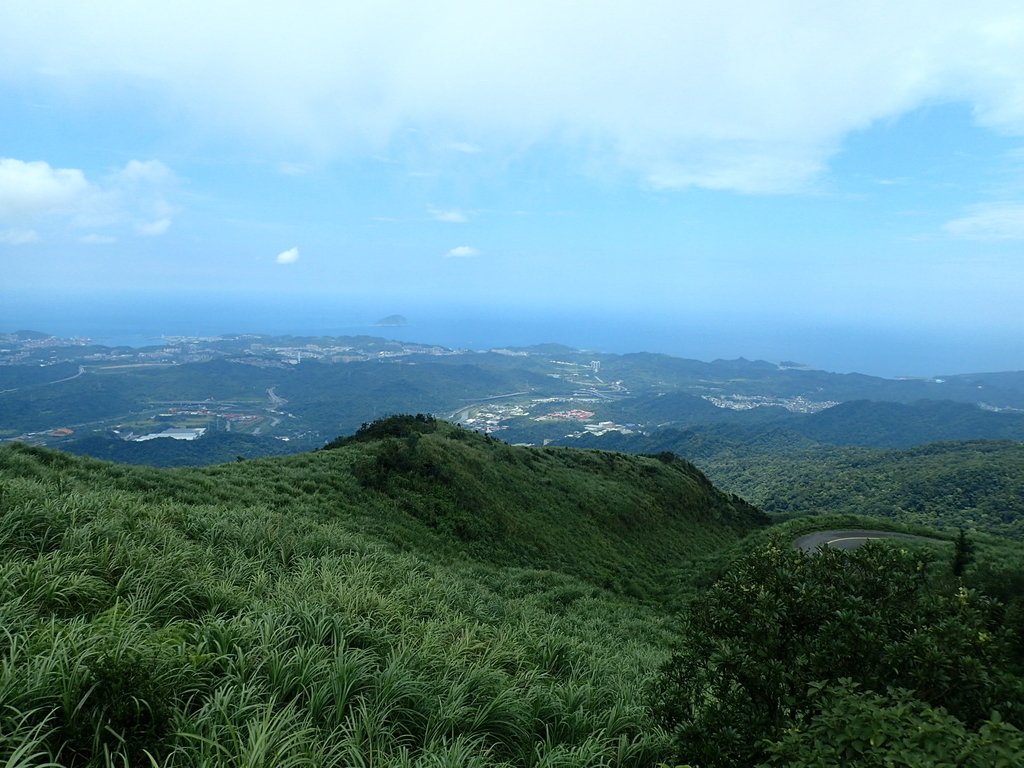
x=303 y=391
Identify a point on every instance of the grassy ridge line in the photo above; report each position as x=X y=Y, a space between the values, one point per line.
x=213 y=448
x=620 y=522
x=336 y=608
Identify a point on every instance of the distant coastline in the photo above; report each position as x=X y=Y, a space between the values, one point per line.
x=138 y=322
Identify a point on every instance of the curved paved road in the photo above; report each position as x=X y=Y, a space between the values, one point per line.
x=851 y=539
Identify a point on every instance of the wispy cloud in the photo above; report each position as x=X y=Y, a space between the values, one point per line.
x=464 y=147
x=989 y=221
x=18 y=236
x=288 y=257
x=97 y=239
x=138 y=193
x=144 y=172
x=462 y=252
x=153 y=228
x=449 y=215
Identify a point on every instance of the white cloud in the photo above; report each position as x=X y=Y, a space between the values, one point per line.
x=153 y=228
x=754 y=97
x=449 y=215
x=49 y=197
x=989 y=221
x=462 y=252
x=18 y=236
x=30 y=189
x=288 y=257
x=96 y=239
x=137 y=193
x=144 y=172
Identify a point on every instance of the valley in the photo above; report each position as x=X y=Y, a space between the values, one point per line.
x=57 y=392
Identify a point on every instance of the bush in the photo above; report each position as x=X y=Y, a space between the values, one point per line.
x=402 y=425
x=781 y=620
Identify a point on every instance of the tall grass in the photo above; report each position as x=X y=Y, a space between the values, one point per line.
x=160 y=625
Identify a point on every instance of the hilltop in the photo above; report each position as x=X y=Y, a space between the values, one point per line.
x=420 y=484
x=418 y=592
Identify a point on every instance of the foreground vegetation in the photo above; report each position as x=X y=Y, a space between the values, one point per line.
x=339 y=608
x=420 y=595
x=872 y=657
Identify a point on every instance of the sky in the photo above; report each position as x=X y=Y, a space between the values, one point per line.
x=783 y=167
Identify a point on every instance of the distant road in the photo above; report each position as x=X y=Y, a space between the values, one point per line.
x=851 y=539
x=81 y=371
x=463 y=412
x=499 y=397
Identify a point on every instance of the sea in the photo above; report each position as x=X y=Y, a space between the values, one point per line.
x=847 y=347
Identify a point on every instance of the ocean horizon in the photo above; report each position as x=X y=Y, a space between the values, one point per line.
x=843 y=348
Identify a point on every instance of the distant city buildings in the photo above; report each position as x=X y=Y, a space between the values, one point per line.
x=797 y=404
x=574 y=414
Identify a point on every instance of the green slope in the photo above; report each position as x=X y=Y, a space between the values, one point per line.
x=616 y=520
x=976 y=484
x=418 y=596
x=903 y=425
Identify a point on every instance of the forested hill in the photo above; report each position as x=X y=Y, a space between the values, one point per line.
x=256 y=396
x=972 y=484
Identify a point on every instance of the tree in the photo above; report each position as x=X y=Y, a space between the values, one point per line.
x=963 y=553
x=861 y=729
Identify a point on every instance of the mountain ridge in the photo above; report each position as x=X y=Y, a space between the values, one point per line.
x=618 y=520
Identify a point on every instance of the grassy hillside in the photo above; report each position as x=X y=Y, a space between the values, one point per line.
x=419 y=595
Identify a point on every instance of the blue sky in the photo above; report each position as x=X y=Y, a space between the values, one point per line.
x=800 y=163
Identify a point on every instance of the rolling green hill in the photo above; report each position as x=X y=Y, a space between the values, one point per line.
x=902 y=425
x=977 y=484
x=417 y=595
